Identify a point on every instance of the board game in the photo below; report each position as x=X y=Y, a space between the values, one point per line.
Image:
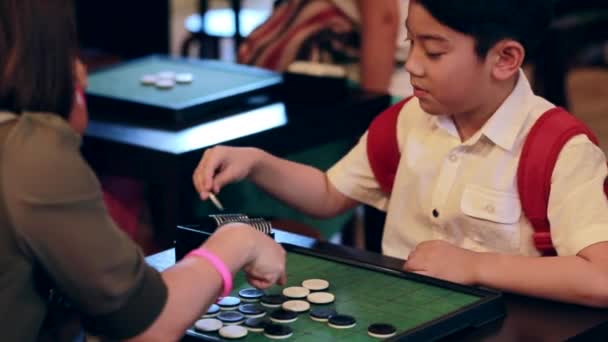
x=420 y=308
x=121 y=93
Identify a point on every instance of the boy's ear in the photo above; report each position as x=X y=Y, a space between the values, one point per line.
x=507 y=57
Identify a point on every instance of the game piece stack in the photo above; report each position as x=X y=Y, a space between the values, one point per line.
x=166 y=80
x=254 y=311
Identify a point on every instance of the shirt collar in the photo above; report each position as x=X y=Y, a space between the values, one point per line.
x=504 y=125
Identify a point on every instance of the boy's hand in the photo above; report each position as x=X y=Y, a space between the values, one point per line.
x=443 y=260
x=223 y=165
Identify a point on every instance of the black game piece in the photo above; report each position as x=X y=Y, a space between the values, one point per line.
x=322 y=314
x=381 y=330
x=283 y=316
x=231 y=317
x=252 y=310
x=273 y=301
x=251 y=294
x=256 y=324
x=342 y=321
x=277 y=331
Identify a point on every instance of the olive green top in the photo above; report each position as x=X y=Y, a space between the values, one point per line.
x=54 y=225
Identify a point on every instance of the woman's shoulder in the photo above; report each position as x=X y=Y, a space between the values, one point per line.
x=41 y=159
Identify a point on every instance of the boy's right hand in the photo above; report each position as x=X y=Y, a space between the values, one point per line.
x=221 y=165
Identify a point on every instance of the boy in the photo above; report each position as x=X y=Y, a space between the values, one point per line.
x=454 y=211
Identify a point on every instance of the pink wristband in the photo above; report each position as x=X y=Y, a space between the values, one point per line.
x=219 y=266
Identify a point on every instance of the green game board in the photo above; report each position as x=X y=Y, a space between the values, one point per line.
x=117 y=92
x=421 y=308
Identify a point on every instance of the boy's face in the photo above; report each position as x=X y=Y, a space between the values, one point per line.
x=447 y=75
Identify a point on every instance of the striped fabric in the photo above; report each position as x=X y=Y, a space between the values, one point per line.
x=311 y=30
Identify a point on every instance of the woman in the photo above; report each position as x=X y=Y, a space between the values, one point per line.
x=55 y=234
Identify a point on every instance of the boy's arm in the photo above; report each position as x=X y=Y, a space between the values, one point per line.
x=580 y=279
x=379 y=27
x=300 y=186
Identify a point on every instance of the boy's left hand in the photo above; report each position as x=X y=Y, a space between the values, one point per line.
x=443 y=260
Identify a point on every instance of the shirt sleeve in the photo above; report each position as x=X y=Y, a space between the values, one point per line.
x=55 y=204
x=578 y=207
x=352 y=175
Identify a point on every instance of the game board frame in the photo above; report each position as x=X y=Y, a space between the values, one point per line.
x=488 y=308
x=198 y=110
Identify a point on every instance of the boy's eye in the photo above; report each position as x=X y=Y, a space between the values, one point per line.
x=434 y=55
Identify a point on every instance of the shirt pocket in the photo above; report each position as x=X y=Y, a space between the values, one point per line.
x=490 y=205
x=491 y=218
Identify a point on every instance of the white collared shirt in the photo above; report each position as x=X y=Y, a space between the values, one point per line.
x=466 y=192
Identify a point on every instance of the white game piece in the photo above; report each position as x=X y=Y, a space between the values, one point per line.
x=316 y=284
x=148 y=80
x=296 y=306
x=296 y=292
x=216 y=201
x=184 y=78
x=208 y=325
x=233 y=332
x=164 y=84
x=167 y=75
x=213 y=311
x=321 y=298
x=229 y=303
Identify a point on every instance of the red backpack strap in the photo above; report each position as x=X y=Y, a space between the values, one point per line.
x=538 y=157
x=382 y=147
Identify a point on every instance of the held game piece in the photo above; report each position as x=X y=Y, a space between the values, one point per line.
x=215 y=201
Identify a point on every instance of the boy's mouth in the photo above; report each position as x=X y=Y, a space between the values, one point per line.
x=418 y=91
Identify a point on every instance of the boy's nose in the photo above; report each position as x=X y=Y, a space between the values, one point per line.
x=413 y=66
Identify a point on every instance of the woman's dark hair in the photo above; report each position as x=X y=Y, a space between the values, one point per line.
x=37 y=54
x=490 y=21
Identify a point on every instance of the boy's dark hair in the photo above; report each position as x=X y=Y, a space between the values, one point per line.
x=489 y=21
x=37 y=53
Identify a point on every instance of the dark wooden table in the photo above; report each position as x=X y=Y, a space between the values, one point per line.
x=527 y=319
x=165 y=159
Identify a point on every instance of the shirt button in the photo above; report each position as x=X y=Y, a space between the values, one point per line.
x=453 y=158
x=435 y=213
x=490 y=208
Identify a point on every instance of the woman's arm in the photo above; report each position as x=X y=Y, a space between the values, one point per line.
x=379 y=27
